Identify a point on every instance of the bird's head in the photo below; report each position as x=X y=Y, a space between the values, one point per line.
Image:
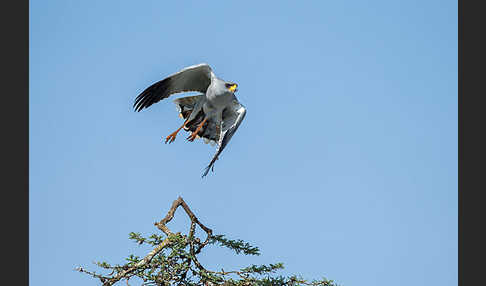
x=231 y=86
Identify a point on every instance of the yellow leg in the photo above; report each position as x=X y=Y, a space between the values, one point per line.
x=173 y=135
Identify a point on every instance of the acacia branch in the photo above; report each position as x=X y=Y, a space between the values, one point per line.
x=160 y=268
x=170 y=215
x=163 y=227
x=146 y=260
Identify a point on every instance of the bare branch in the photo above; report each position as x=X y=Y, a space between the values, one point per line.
x=170 y=215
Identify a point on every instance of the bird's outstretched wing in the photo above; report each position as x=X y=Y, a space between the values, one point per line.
x=193 y=78
x=232 y=118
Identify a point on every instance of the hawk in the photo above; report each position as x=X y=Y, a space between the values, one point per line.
x=215 y=114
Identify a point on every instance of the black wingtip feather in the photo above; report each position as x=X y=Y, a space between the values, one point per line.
x=210 y=166
x=206 y=170
x=152 y=94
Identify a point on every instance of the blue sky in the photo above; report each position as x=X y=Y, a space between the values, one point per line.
x=345 y=166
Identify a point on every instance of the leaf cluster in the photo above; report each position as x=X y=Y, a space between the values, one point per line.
x=177 y=264
x=173 y=260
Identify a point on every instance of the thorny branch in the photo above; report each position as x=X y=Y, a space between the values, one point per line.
x=170 y=215
x=162 y=225
x=169 y=263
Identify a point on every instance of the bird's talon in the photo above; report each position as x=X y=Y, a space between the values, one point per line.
x=170 y=138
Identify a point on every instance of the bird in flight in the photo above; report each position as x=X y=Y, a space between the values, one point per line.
x=215 y=114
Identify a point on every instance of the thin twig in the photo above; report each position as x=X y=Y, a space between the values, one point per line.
x=143 y=262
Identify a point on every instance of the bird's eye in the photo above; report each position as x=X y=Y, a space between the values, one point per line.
x=228 y=85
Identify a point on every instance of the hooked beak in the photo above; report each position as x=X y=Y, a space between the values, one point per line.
x=234 y=88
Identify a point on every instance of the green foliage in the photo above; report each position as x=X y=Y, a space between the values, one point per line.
x=236 y=245
x=177 y=264
x=173 y=261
